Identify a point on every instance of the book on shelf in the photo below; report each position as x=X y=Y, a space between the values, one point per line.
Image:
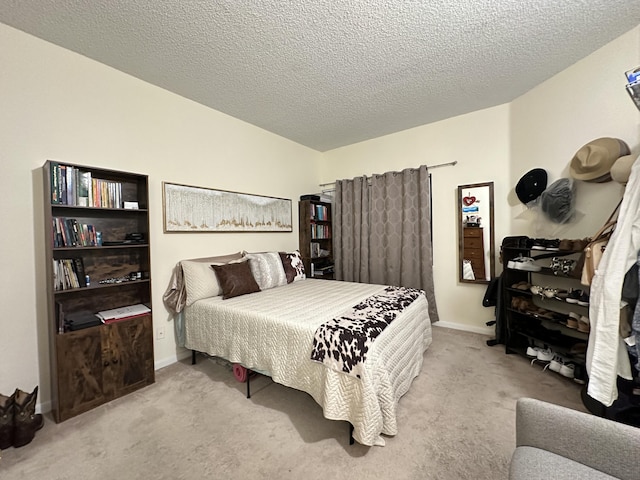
x=320 y=232
x=315 y=249
x=71 y=186
x=75 y=187
x=68 y=273
x=78 y=266
x=123 y=313
x=63 y=184
x=84 y=189
x=68 y=232
x=54 y=174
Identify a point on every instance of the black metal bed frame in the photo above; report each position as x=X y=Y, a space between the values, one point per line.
x=249 y=372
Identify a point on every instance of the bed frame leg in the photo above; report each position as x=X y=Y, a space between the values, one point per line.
x=351 y=439
x=193 y=357
x=248 y=383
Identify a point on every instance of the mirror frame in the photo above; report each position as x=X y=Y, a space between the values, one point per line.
x=490 y=223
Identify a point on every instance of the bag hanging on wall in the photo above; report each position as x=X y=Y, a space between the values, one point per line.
x=595 y=248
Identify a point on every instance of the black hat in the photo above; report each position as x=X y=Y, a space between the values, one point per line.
x=531 y=185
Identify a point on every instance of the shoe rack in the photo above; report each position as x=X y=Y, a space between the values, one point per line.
x=545 y=307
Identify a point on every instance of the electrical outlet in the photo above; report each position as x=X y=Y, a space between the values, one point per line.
x=160 y=333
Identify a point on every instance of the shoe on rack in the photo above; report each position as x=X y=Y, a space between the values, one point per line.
x=536 y=289
x=568 y=370
x=561 y=294
x=584 y=324
x=550 y=292
x=568 y=265
x=552 y=245
x=565 y=245
x=523 y=285
x=572 y=320
x=542 y=313
x=515 y=303
x=512 y=263
x=537 y=244
x=583 y=299
x=574 y=296
x=545 y=354
x=532 y=351
x=556 y=363
x=524 y=263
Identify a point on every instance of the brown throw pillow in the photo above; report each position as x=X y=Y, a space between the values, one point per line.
x=235 y=279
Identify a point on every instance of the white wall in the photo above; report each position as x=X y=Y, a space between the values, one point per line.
x=55 y=104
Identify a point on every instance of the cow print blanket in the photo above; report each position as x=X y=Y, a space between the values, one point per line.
x=343 y=342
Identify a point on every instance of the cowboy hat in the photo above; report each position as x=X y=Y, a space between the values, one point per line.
x=531 y=185
x=593 y=162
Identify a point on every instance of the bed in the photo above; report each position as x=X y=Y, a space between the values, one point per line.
x=272 y=331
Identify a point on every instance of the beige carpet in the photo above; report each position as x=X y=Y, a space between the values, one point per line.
x=456 y=422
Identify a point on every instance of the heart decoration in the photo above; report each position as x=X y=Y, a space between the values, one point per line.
x=468 y=201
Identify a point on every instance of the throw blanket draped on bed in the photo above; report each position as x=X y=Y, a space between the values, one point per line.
x=343 y=342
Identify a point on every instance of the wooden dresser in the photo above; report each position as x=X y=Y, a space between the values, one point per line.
x=473 y=250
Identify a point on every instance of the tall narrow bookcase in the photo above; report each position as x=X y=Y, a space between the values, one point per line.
x=316 y=238
x=94 y=264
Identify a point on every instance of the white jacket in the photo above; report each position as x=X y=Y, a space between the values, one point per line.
x=607 y=355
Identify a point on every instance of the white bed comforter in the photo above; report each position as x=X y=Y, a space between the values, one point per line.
x=272 y=332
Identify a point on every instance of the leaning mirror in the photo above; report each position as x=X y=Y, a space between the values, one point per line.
x=476 y=244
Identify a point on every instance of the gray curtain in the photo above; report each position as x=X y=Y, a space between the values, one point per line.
x=382 y=231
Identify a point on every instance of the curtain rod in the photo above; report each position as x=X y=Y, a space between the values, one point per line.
x=429 y=167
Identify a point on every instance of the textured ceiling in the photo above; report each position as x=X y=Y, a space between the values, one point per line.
x=329 y=73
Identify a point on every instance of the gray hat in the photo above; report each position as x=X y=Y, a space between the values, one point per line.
x=557 y=201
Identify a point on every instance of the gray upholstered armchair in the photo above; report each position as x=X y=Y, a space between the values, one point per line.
x=554 y=442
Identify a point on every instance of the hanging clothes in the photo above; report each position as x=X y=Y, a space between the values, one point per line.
x=607 y=355
x=635 y=323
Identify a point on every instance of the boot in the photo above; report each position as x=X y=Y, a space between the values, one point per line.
x=26 y=422
x=6 y=420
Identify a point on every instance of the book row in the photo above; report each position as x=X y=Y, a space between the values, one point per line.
x=68 y=232
x=319 y=212
x=320 y=231
x=75 y=187
x=68 y=273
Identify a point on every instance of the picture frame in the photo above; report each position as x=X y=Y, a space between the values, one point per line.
x=189 y=208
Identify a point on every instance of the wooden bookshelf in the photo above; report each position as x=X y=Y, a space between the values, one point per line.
x=316 y=235
x=94 y=365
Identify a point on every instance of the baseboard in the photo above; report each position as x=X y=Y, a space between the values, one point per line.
x=165 y=362
x=466 y=328
x=43 y=407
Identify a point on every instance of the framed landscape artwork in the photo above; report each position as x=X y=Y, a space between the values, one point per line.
x=198 y=209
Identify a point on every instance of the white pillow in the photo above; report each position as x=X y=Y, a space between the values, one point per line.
x=200 y=280
x=267 y=269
